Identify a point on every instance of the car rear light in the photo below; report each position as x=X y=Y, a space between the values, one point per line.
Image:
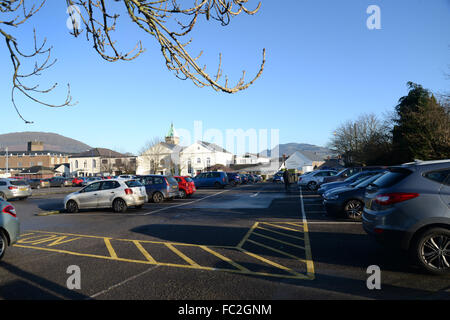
x=128 y=191
x=9 y=209
x=378 y=230
x=396 y=197
x=12 y=188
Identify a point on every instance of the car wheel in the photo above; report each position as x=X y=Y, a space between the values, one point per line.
x=3 y=244
x=183 y=194
x=354 y=209
x=120 y=206
x=158 y=197
x=72 y=206
x=2 y=196
x=431 y=250
x=312 y=185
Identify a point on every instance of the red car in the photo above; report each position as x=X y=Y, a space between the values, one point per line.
x=77 y=182
x=186 y=186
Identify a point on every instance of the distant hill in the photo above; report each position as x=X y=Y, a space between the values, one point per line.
x=17 y=141
x=290 y=148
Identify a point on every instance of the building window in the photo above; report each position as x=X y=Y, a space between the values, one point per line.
x=85 y=164
x=39 y=163
x=31 y=163
x=94 y=163
x=189 y=166
x=76 y=164
x=208 y=162
x=198 y=160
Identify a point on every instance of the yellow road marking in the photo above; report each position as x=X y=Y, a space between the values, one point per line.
x=281 y=227
x=309 y=261
x=111 y=251
x=280 y=241
x=225 y=259
x=279 y=266
x=181 y=255
x=280 y=233
x=144 y=252
x=255 y=225
x=277 y=250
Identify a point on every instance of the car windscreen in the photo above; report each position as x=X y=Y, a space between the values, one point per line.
x=172 y=180
x=393 y=176
x=18 y=183
x=365 y=181
x=133 y=183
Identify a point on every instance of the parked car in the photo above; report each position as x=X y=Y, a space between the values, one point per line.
x=278 y=177
x=348 y=200
x=409 y=208
x=126 y=177
x=244 y=178
x=348 y=172
x=115 y=194
x=78 y=181
x=159 y=188
x=89 y=180
x=215 y=179
x=186 y=186
x=354 y=178
x=251 y=178
x=9 y=226
x=315 y=178
x=59 y=182
x=38 y=183
x=234 y=178
x=14 y=189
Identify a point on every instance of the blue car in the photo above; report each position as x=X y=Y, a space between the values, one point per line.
x=211 y=179
x=159 y=188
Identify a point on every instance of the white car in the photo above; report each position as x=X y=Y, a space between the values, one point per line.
x=312 y=180
x=111 y=193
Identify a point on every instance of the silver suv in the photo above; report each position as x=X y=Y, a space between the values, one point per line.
x=409 y=208
x=14 y=189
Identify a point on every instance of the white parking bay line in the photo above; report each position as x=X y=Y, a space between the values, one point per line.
x=185 y=203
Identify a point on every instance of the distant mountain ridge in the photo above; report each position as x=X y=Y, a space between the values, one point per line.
x=289 y=148
x=17 y=141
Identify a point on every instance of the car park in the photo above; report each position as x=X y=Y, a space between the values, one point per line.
x=348 y=200
x=409 y=208
x=9 y=226
x=115 y=194
x=38 y=183
x=186 y=186
x=354 y=178
x=14 y=189
x=216 y=179
x=315 y=178
x=159 y=187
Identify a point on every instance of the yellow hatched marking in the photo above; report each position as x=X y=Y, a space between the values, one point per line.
x=281 y=227
x=278 y=251
x=238 y=266
x=144 y=252
x=182 y=255
x=280 y=241
x=297 y=224
x=279 y=266
x=111 y=251
x=247 y=235
x=281 y=233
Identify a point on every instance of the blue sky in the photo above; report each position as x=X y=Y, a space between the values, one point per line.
x=323 y=67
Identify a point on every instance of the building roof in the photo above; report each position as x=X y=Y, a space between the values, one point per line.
x=212 y=146
x=100 y=152
x=37 y=170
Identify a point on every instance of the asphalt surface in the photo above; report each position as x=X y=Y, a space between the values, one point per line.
x=249 y=242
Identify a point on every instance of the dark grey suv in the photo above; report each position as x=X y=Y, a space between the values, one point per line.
x=409 y=208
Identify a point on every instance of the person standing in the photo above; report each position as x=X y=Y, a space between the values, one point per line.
x=286 y=180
